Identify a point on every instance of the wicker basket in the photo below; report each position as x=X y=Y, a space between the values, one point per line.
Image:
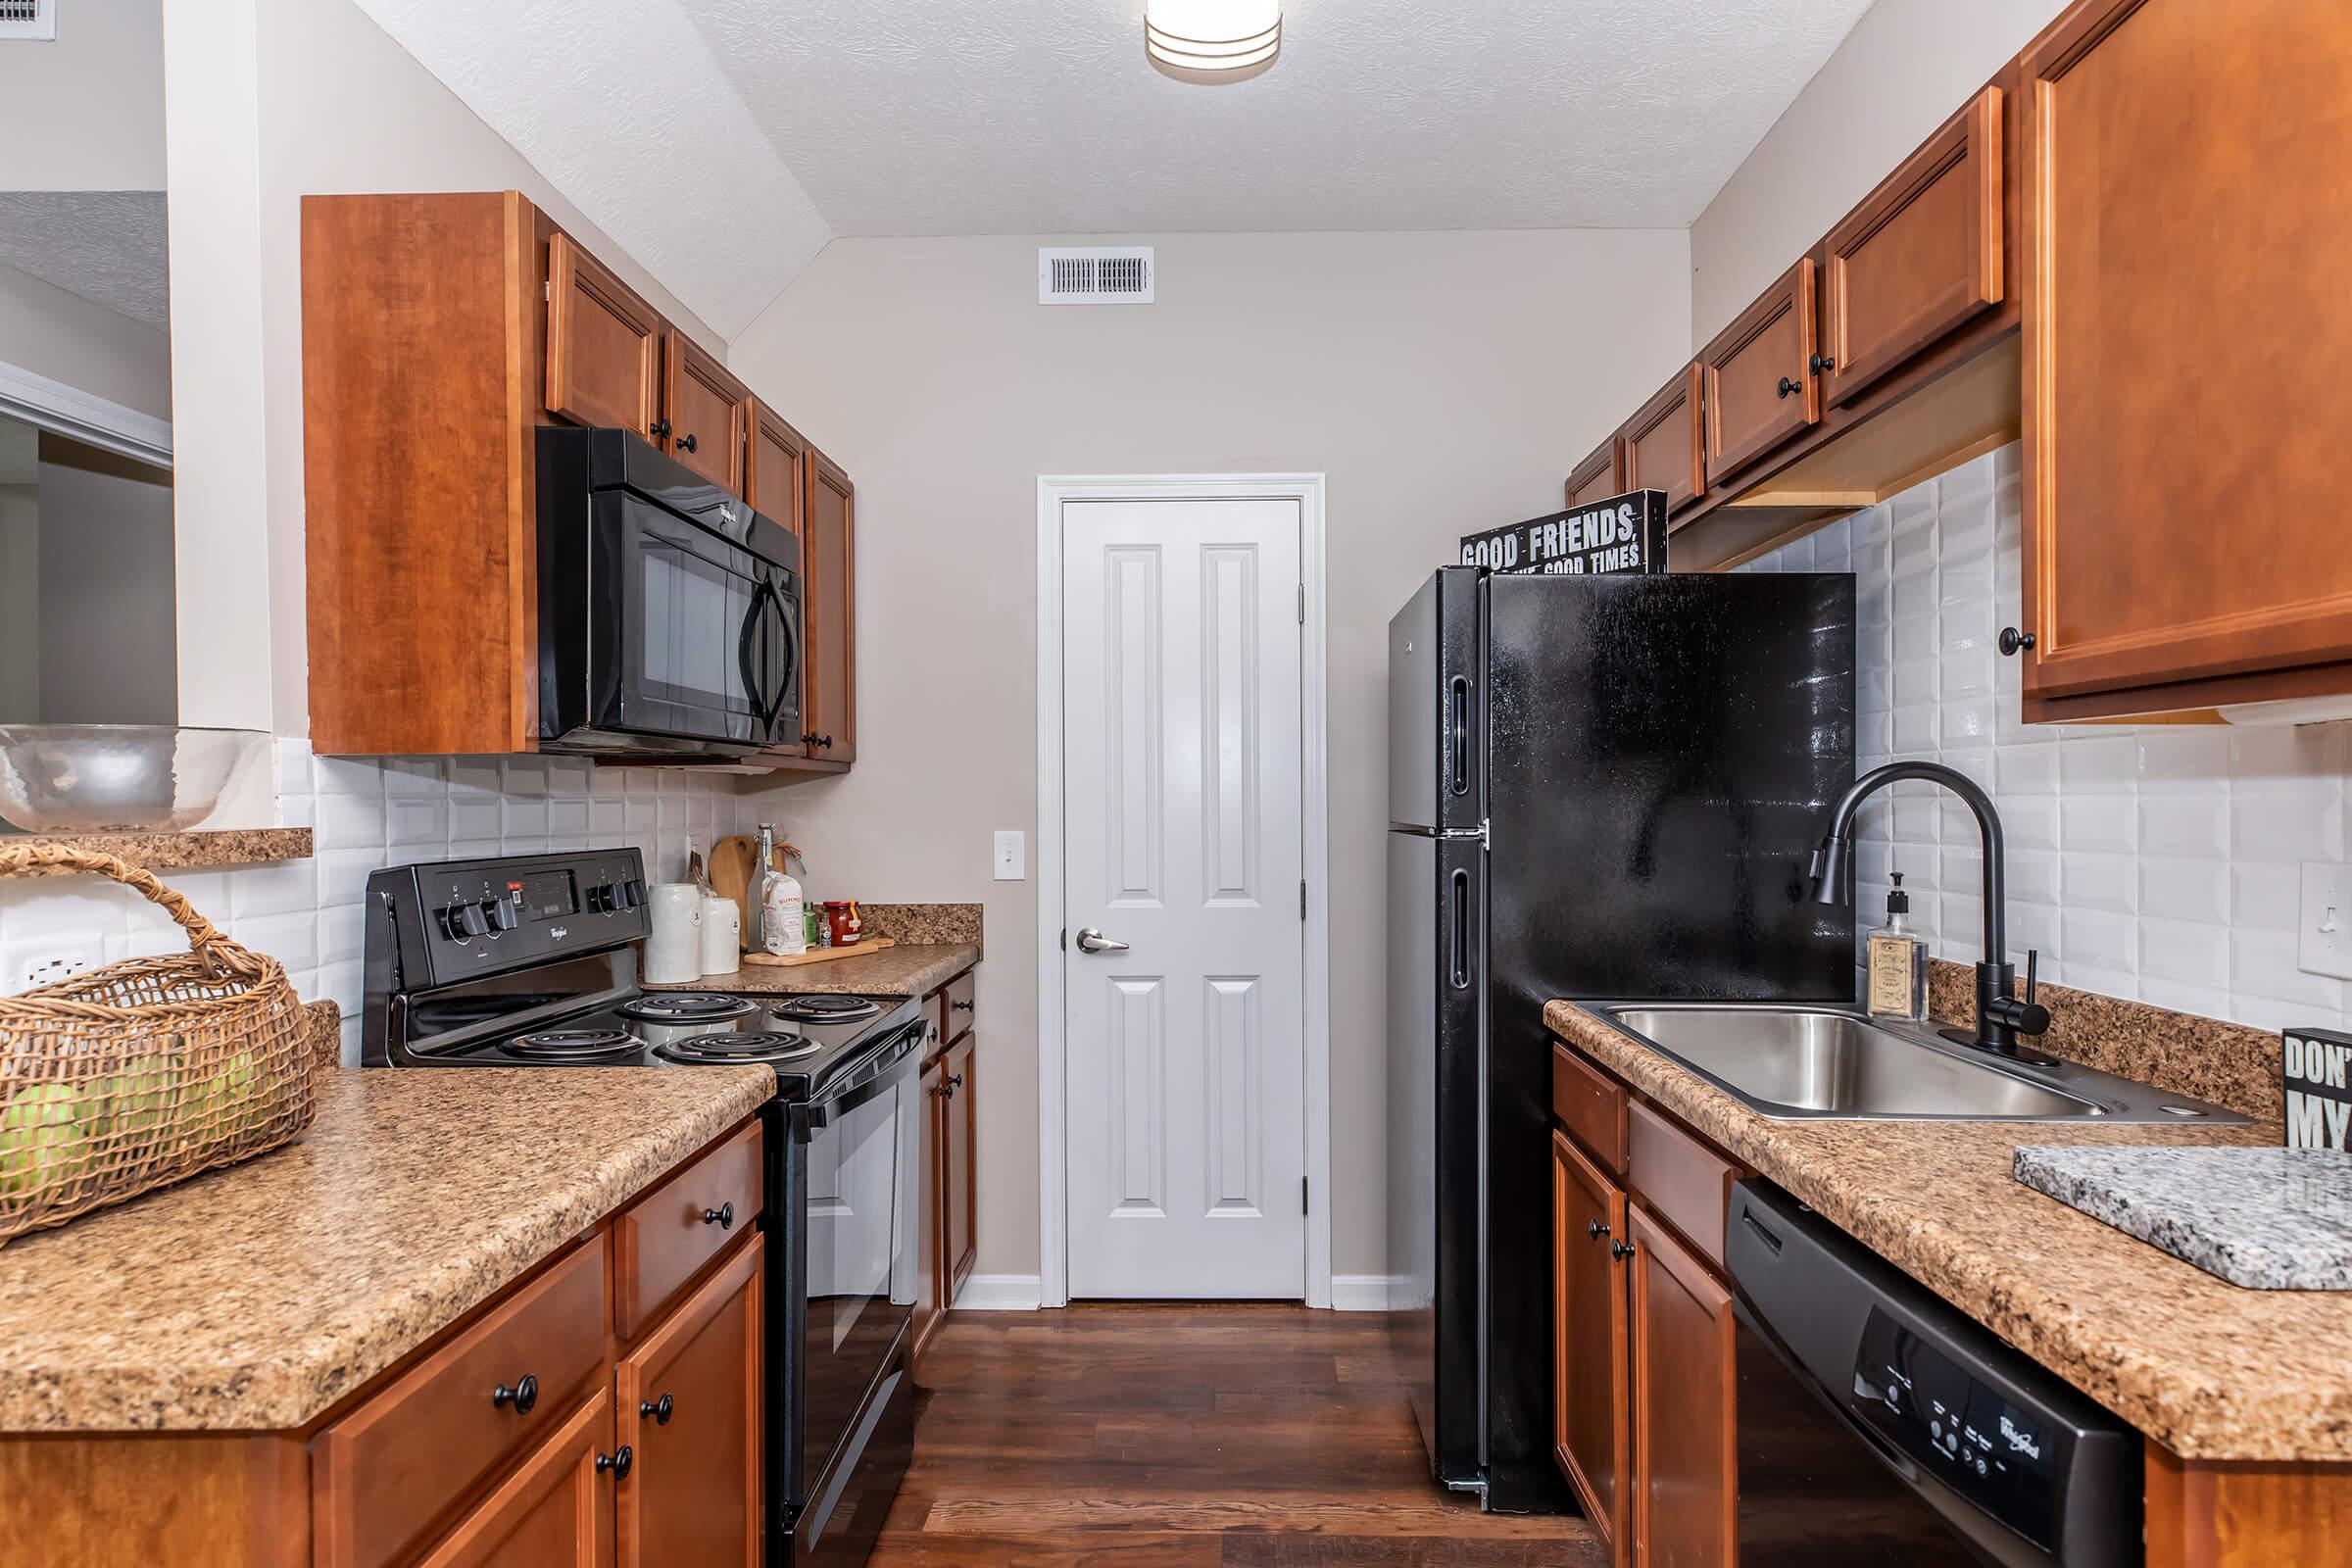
x=142 y=1073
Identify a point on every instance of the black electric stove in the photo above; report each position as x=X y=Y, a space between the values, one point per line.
x=531 y=962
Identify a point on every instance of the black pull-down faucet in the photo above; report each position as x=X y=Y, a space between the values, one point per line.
x=2000 y=1016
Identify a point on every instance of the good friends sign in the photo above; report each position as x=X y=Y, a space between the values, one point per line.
x=1624 y=535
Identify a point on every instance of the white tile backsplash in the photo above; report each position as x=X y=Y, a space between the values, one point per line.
x=367 y=812
x=2157 y=862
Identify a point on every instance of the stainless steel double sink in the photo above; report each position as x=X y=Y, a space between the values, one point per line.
x=1832 y=1062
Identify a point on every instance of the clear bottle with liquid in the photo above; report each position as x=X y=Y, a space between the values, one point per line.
x=782 y=917
x=1897 y=961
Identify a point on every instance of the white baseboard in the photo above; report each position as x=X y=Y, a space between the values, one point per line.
x=1359 y=1293
x=1001 y=1293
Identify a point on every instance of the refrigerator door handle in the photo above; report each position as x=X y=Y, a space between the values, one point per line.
x=1457 y=928
x=1458 y=733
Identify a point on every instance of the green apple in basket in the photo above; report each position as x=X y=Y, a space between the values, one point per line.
x=130 y=1104
x=40 y=1129
x=229 y=1102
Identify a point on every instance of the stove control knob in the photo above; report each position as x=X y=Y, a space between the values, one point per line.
x=500 y=914
x=632 y=894
x=464 y=921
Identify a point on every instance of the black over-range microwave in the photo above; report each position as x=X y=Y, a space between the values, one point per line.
x=669 y=612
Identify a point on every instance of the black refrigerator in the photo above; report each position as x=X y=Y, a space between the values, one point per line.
x=1602 y=787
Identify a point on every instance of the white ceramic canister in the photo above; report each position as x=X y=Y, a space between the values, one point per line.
x=674 y=953
x=722 y=935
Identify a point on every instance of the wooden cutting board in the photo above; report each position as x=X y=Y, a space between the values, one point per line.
x=734 y=861
x=786 y=961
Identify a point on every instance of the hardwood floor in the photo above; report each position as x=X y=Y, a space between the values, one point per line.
x=1183 y=1437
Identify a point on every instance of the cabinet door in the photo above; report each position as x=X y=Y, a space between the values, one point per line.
x=603 y=344
x=1596 y=477
x=691 y=1398
x=958 y=1153
x=931 y=1245
x=829 y=689
x=707 y=413
x=1760 y=387
x=2185 y=340
x=1919 y=259
x=778 y=459
x=1685 y=1479
x=1591 y=1410
x=555 y=1511
x=1664 y=447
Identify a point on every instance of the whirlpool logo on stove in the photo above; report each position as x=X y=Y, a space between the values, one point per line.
x=557 y=933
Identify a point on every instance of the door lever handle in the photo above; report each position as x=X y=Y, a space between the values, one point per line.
x=1091 y=940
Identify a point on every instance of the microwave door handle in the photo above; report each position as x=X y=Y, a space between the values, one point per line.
x=787 y=664
x=752 y=622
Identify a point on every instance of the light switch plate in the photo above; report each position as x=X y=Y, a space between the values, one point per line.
x=2323 y=927
x=1012 y=855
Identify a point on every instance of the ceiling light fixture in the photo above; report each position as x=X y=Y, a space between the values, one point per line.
x=1212 y=40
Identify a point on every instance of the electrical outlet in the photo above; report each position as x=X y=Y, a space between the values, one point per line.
x=2323 y=930
x=43 y=963
x=1012 y=855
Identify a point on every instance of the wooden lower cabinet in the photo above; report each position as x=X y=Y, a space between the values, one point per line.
x=1685 y=1480
x=959 y=1215
x=690 y=1399
x=1590 y=1409
x=949 y=1244
x=930 y=1299
x=553 y=1512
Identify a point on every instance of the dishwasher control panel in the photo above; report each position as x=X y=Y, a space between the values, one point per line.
x=2001 y=1455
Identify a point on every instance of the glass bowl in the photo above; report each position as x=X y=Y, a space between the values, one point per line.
x=115 y=778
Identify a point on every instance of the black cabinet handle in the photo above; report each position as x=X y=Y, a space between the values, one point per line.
x=618 y=1463
x=955 y=1080
x=960 y=1007
x=947 y=1089
x=659 y=1410
x=1821 y=363
x=1621 y=1251
x=825 y=741
x=1790 y=388
x=522 y=1395
x=723 y=1217
x=658 y=430
x=686 y=442
x=2014 y=641
x=1595 y=1229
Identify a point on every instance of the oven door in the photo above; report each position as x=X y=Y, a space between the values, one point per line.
x=690 y=636
x=859 y=1158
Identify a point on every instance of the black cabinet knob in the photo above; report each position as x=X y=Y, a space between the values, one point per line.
x=618 y=1463
x=686 y=442
x=1788 y=387
x=659 y=1410
x=960 y=1007
x=1621 y=1251
x=1821 y=363
x=522 y=1395
x=658 y=430
x=2014 y=641
x=826 y=743
x=954 y=1081
x=1595 y=1229
x=723 y=1217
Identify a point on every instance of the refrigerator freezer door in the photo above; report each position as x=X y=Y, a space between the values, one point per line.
x=1435 y=749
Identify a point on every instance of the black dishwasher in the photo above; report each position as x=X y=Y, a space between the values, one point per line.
x=1878 y=1425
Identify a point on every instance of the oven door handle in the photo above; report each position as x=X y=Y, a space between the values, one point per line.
x=889 y=1068
x=752 y=621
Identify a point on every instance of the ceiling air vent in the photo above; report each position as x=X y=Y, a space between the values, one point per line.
x=1090 y=276
x=28 y=18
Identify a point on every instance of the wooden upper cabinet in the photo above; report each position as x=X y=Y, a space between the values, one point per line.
x=690 y=1401
x=555 y=1511
x=2185 y=341
x=777 y=459
x=1919 y=257
x=705 y=412
x=1663 y=446
x=1760 y=388
x=603 y=344
x=1590 y=1400
x=1596 y=477
x=1685 y=1464
x=828 y=547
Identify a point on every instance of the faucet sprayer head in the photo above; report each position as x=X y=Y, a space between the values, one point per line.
x=1830 y=868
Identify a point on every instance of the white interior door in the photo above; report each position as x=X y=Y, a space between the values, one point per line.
x=1183 y=1063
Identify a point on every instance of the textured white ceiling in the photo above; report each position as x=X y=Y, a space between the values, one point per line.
x=930 y=117
x=619 y=104
x=105 y=245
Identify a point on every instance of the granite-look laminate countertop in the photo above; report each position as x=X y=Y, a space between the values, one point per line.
x=910 y=968
x=2209 y=1370
x=253 y=1298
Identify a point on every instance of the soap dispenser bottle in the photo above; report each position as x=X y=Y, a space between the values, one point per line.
x=1897 y=961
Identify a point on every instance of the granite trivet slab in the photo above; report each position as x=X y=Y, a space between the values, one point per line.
x=2270 y=1219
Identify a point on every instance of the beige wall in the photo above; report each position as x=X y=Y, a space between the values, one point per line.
x=274 y=100
x=64 y=337
x=1440 y=380
x=102 y=77
x=1904 y=69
